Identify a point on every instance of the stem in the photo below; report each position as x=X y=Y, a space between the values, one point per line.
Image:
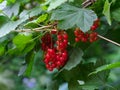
x=109 y=40
x=87 y=3
x=38 y=36
x=43 y=28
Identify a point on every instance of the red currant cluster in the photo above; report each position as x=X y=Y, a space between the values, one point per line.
x=62 y=41
x=95 y=24
x=56 y=57
x=80 y=36
x=89 y=36
x=47 y=42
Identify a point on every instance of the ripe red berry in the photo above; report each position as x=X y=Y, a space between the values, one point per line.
x=93 y=37
x=77 y=39
x=55 y=56
x=95 y=25
x=80 y=36
x=93 y=28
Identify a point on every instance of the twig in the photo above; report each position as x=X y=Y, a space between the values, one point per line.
x=87 y=3
x=109 y=40
x=43 y=28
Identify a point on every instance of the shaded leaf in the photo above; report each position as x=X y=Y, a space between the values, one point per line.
x=53 y=85
x=97 y=81
x=3 y=20
x=73 y=85
x=30 y=62
x=116 y=14
x=74 y=59
x=71 y=16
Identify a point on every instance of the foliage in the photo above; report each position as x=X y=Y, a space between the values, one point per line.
x=23 y=23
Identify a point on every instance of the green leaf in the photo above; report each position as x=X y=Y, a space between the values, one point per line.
x=35 y=23
x=106 y=11
x=1 y=1
x=73 y=85
x=26 y=69
x=55 y=3
x=76 y=76
x=74 y=59
x=12 y=10
x=115 y=14
x=8 y=27
x=53 y=85
x=12 y=25
x=2 y=50
x=3 y=20
x=70 y=16
x=41 y=18
x=22 y=40
x=30 y=62
x=30 y=13
x=90 y=85
x=106 y=67
x=97 y=81
x=11 y=1
x=31 y=25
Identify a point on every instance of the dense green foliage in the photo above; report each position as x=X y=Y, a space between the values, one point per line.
x=90 y=66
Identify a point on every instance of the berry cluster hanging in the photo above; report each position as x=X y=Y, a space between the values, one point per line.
x=88 y=36
x=55 y=53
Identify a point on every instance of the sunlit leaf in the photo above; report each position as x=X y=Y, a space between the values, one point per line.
x=21 y=41
x=106 y=67
x=106 y=11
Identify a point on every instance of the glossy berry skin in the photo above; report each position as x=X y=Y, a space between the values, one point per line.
x=93 y=28
x=89 y=36
x=93 y=37
x=62 y=41
x=95 y=25
x=80 y=36
x=56 y=57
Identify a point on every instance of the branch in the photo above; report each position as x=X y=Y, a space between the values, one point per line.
x=109 y=40
x=87 y=3
x=43 y=28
